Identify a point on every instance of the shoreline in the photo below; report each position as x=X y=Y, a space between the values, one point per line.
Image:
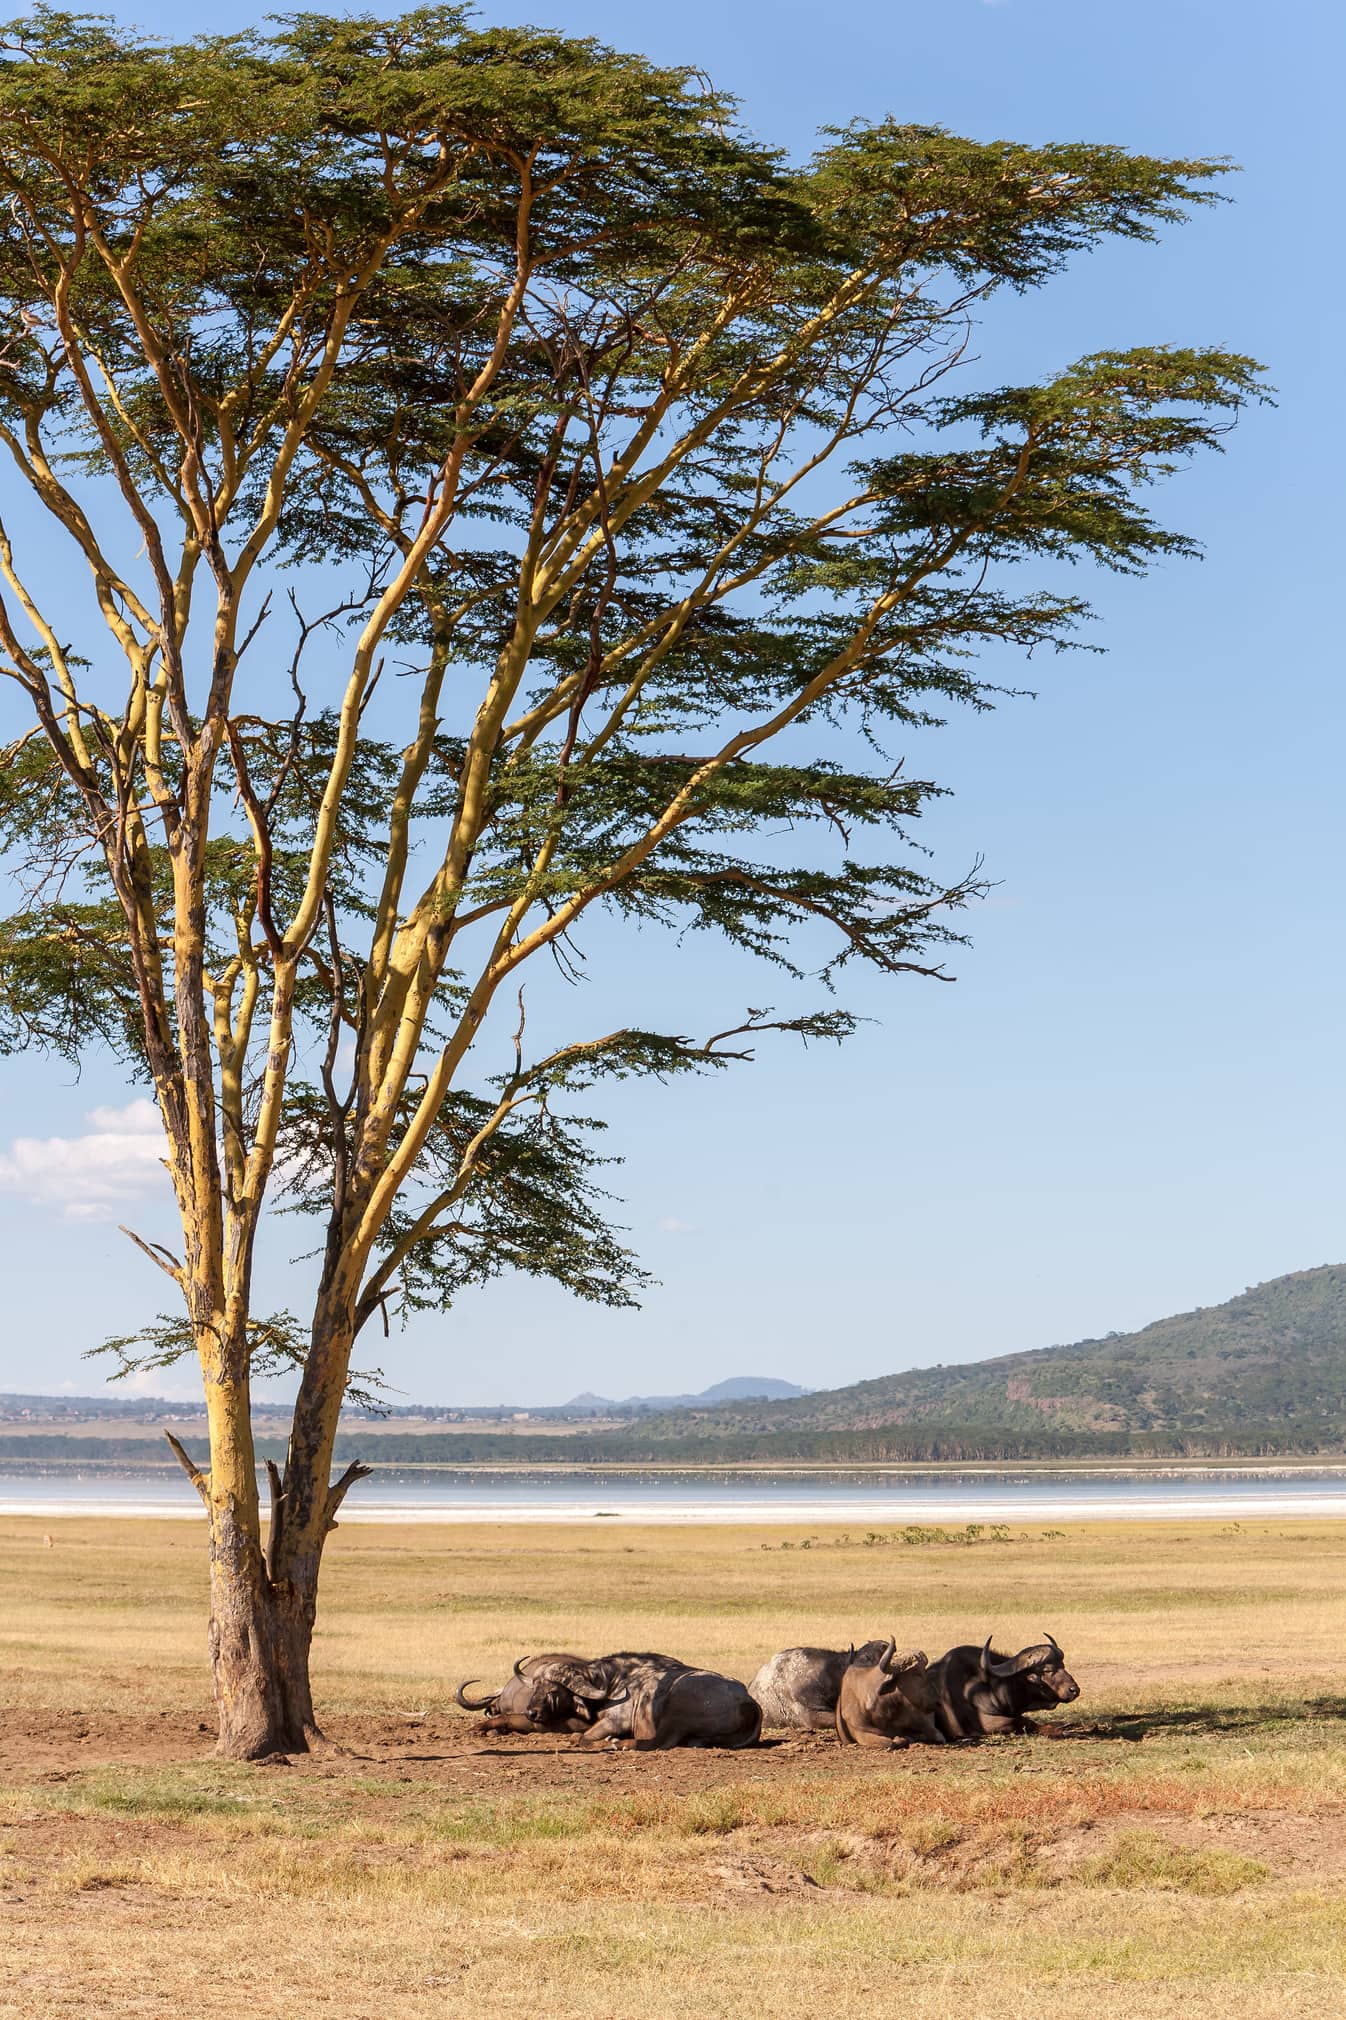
x=806 y=1469
x=1243 y=1514
x=933 y=1499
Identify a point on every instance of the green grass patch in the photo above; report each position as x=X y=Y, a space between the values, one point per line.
x=1145 y=1859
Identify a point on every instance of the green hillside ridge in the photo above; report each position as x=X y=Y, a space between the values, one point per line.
x=1262 y=1376
x=1271 y=1361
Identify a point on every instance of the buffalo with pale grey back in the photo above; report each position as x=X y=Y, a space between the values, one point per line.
x=559 y=1692
x=800 y=1686
x=888 y=1703
x=978 y=1690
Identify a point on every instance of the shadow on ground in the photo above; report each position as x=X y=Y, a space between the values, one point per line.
x=1206 y=1718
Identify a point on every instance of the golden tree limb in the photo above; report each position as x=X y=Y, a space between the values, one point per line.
x=509 y=951
x=437 y=514
x=435 y=910
x=55 y=652
x=140 y=512
x=64 y=507
x=514 y=659
x=142 y=441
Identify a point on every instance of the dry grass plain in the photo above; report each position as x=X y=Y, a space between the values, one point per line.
x=1182 y=1852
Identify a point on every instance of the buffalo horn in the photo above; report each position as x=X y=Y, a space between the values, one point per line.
x=465 y=1701
x=518 y=1666
x=886 y=1670
x=1027 y=1658
x=998 y=1669
x=1055 y=1649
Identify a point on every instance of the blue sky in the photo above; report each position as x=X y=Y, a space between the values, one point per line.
x=1131 y=1101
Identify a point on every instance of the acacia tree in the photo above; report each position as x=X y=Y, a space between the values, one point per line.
x=639 y=453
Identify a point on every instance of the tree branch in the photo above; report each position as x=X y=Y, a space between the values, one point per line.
x=338 y=1492
x=199 y=1480
x=163 y=1258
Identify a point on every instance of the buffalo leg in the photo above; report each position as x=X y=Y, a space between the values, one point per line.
x=609 y=1726
x=865 y=1735
x=644 y=1732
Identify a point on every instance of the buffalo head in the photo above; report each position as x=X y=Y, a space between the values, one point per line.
x=1038 y=1674
x=548 y=1693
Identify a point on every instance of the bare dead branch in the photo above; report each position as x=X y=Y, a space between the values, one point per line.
x=161 y=1257
x=199 y=1480
x=338 y=1492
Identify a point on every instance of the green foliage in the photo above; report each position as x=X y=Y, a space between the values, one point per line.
x=275 y=1345
x=631 y=446
x=912 y=1536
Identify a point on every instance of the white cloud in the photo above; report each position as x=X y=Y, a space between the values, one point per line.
x=90 y=1177
x=674 y=1226
x=154 y=1382
x=139 y=1118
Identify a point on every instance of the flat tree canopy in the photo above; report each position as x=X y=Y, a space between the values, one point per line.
x=603 y=445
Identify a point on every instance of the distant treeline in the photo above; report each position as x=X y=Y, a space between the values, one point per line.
x=901 y=1444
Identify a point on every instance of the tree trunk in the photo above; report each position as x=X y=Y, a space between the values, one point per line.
x=263 y=1602
x=260 y=1636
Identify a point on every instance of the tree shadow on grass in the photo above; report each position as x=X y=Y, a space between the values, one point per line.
x=1212 y=1719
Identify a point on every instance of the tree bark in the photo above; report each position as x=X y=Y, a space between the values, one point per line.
x=260 y=1636
x=263 y=1603
x=262 y=1610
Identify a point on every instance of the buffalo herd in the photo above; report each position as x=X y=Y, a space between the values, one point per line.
x=870 y=1696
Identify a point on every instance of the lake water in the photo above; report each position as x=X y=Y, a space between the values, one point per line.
x=873 y=1498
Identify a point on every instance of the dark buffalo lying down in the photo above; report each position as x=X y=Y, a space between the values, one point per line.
x=888 y=1703
x=680 y=1707
x=800 y=1686
x=641 y=1701
x=980 y=1691
x=560 y=1693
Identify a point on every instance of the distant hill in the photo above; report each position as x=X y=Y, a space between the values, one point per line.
x=1259 y=1376
x=57 y=1410
x=1268 y=1364
x=738 y=1388
x=744 y=1388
